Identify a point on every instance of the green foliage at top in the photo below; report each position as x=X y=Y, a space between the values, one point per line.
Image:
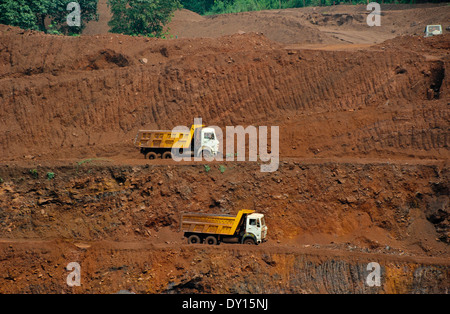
x=141 y=17
x=207 y=7
x=36 y=14
x=21 y=13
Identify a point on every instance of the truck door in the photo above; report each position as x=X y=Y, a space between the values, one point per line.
x=209 y=140
x=253 y=226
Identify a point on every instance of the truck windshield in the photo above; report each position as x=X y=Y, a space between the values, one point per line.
x=256 y=222
x=433 y=28
x=209 y=135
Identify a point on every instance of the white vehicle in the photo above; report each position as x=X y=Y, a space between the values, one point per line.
x=433 y=30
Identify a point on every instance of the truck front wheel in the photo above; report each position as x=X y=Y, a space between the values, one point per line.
x=249 y=241
x=194 y=239
x=206 y=153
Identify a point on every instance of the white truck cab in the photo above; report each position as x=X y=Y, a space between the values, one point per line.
x=256 y=227
x=433 y=30
x=209 y=142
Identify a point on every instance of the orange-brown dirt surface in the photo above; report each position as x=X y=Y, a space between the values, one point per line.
x=363 y=177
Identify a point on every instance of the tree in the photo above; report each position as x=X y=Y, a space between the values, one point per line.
x=141 y=17
x=23 y=13
x=38 y=14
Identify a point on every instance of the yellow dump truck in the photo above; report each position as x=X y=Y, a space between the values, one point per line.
x=246 y=227
x=198 y=141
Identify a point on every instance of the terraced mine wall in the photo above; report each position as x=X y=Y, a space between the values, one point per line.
x=71 y=98
x=327 y=222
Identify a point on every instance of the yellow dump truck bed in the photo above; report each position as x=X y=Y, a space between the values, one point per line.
x=162 y=138
x=165 y=138
x=211 y=223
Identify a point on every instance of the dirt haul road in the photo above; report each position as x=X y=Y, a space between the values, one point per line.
x=363 y=173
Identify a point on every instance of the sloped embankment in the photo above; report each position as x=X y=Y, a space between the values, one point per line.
x=80 y=97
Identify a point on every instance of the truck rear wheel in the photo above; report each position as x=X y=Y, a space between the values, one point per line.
x=166 y=155
x=211 y=240
x=194 y=239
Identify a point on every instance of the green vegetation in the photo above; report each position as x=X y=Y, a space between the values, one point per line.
x=141 y=17
x=50 y=175
x=36 y=14
x=130 y=17
x=207 y=168
x=222 y=168
x=207 y=7
x=34 y=173
x=1 y=180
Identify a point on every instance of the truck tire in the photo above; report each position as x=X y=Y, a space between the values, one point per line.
x=166 y=155
x=206 y=153
x=194 y=239
x=249 y=240
x=151 y=155
x=211 y=240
